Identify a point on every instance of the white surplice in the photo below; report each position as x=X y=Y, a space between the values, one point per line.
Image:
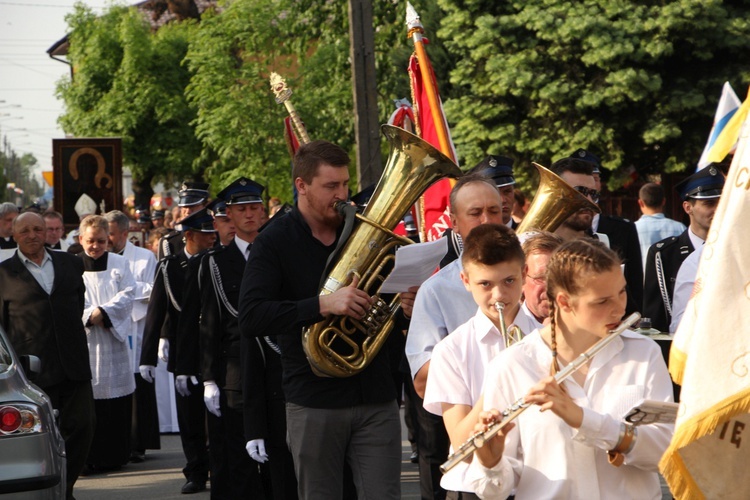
x=113 y=290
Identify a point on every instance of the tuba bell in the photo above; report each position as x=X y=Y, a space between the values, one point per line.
x=340 y=346
x=554 y=202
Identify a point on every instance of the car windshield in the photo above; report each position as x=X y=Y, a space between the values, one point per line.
x=5 y=359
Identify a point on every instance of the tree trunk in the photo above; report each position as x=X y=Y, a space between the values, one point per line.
x=142 y=191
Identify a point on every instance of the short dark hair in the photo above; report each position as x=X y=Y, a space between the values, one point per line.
x=490 y=244
x=310 y=156
x=652 y=195
x=572 y=165
x=52 y=214
x=519 y=197
x=468 y=179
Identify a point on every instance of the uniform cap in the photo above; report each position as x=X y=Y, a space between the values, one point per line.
x=197 y=221
x=584 y=155
x=218 y=208
x=705 y=184
x=243 y=190
x=192 y=193
x=497 y=168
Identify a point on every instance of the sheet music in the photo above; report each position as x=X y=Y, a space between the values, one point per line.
x=414 y=264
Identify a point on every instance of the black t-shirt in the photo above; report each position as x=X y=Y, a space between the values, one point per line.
x=279 y=296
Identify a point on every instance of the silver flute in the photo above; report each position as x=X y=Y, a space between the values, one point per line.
x=511 y=413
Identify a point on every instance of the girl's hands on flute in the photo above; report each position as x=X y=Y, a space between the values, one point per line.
x=548 y=395
x=492 y=451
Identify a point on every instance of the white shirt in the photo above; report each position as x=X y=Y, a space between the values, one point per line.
x=243 y=246
x=113 y=291
x=457 y=373
x=442 y=305
x=696 y=240
x=548 y=459
x=143 y=267
x=44 y=274
x=683 y=286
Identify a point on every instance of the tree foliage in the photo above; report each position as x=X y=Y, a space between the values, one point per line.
x=130 y=83
x=634 y=81
x=20 y=171
x=307 y=42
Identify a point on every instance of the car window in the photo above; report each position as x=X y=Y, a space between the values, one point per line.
x=5 y=359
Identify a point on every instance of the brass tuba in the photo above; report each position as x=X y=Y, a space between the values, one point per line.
x=555 y=201
x=340 y=346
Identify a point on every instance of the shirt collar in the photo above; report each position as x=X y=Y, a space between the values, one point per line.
x=696 y=240
x=26 y=260
x=242 y=245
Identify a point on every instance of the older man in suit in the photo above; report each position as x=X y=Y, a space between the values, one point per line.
x=41 y=305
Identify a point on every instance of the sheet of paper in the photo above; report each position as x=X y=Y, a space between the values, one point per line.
x=414 y=264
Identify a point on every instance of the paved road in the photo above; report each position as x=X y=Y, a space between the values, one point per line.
x=160 y=477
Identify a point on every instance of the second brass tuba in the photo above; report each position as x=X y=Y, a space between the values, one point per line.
x=555 y=201
x=340 y=346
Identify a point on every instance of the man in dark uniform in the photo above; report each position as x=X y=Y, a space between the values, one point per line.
x=623 y=239
x=193 y=197
x=224 y=226
x=168 y=301
x=233 y=473
x=500 y=170
x=700 y=195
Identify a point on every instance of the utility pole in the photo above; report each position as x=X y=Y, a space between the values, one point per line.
x=366 y=126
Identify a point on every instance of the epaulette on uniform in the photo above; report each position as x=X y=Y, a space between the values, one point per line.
x=620 y=219
x=665 y=243
x=214 y=250
x=167 y=258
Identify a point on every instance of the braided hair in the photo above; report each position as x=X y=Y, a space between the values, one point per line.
x=568 y=269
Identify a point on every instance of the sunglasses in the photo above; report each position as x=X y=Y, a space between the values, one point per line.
x=591 y=193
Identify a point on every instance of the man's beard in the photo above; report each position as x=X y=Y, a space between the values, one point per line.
x=579 y=221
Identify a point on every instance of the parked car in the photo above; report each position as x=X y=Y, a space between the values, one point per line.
x=32 y=451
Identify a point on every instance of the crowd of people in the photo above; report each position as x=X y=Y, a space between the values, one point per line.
x=222 y=298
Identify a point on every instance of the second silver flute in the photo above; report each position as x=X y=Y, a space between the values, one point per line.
x=518 y=407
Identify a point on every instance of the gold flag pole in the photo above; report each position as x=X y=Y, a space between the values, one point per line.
x=283 y=94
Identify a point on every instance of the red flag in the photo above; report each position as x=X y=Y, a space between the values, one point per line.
x=433 y=215
x=292 y=143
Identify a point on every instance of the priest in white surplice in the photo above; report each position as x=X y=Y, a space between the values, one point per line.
x=110 y=289
x=144 y=429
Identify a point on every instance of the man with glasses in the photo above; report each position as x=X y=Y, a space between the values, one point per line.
x=623 y=238
x=579 y=174
x=537 y=247
x=53 y=239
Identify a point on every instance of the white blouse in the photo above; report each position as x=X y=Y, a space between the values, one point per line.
x=545 y=457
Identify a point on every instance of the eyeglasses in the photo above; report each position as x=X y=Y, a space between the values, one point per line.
x=591 y=193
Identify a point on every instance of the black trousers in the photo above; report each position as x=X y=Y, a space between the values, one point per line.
x=75 y=402
x=280 y=463
x=433 y=443
x=191 y=417
x=144 y=428
x=111 y=444
x=233 y=473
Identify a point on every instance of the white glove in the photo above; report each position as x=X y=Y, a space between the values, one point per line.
x=148 y=373
x=181 y=384
x=211 y=397
x=164 y=350
x=257 y=450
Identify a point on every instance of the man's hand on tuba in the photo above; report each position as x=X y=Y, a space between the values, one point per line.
x=347 y=301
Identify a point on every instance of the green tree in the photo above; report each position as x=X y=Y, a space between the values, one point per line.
x=19 y=170
x=305 y=41
x=634 y=81
x=129 y=82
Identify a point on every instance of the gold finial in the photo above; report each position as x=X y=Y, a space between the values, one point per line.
x=279 y=88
